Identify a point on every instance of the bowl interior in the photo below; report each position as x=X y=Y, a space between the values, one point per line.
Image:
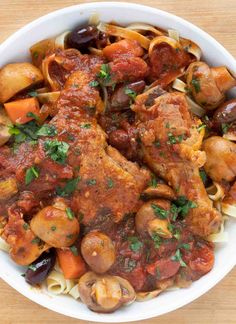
x=15 y=49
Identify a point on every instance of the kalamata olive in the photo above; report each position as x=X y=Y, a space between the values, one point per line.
x=123 y=94
x=119 y=139
x=226 y=113
x=82 y=37
x=38 y=271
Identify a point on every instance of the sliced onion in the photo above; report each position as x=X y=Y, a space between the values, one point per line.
x=124 y=33
x=141 y=27
x=163 y=39
x=179 y=85
x=173 y=34
x=191 y=48
x=195 y=108
x=60 y=40
x=94 y=19
x=215 y=192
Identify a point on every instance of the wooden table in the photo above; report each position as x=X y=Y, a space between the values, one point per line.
x=217 y=17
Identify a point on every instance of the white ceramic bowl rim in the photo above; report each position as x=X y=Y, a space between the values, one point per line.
x=206 y=283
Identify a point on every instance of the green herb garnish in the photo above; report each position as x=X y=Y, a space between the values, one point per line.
x=196 y=84
x=25 y=226
x=199 y=128
x=225 y=128
x=57 y=150
x=94 y=83
x=53 y=228
x=104 y=73
x=87 y=126
x=70 y=213
x=69 y=187
x=160 y=212
x=91 y=182
x=157 y=240
x=47 y=130
x=74 y=250
x=135 y=244
x=31 y=174
x=178 y=258
x=131 y=93
x=32 y=267
x=110 y=183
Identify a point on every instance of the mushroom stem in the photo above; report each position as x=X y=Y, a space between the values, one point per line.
x=223 y=78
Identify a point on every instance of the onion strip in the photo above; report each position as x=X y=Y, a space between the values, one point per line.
x=144 y=27
x=215 y=192
x=228 y=209
x=173 y=34
x=179 y=85
x=124 y=33
x=195 y=108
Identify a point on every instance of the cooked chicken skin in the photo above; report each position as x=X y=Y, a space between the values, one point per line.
x=172 y=152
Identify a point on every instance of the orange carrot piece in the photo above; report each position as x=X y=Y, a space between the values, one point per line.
x=72 y=266
x=19 y=110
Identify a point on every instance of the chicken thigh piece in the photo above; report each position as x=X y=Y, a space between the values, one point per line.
x=170 y=143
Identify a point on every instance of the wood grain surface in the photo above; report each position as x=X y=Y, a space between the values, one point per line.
x=218 y=18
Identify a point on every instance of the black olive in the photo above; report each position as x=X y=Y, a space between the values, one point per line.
x=225 y=113
x=82 y=37
x=38 y=271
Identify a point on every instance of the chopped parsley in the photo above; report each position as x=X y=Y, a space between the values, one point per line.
x=104 y=73
x=31 y=174
x=167 y=125
x=53 y=228
x=157 y=240
x=175 y=139
x=181 y=207
x=47 y=130
x=32 y=93
x=26 y=132
x=160 y=212
x=70 y=213
x=225 y=127
x=110 y=183
x=185 y=246
x=87 y=126
x=57 y=150
x=74 y=250
x=69 y=187
x=25 y=226
x=178 y=258
x=94 y=83
x=203 y=176
x=135 y=244
x=32 y=115
x=202 y=126
x=153 y=182
x=91 y=182
x=32 y=267
x=36 y=240
x=175 y=231
x=131 y=93
x=196 y=84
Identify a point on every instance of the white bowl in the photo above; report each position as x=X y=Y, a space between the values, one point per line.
x=15 y=49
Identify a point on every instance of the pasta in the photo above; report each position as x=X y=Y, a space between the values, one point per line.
x=117 y=165
x=57 y=284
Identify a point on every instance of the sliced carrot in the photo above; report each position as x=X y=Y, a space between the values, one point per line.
x=23 y=110
x=72 y=266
